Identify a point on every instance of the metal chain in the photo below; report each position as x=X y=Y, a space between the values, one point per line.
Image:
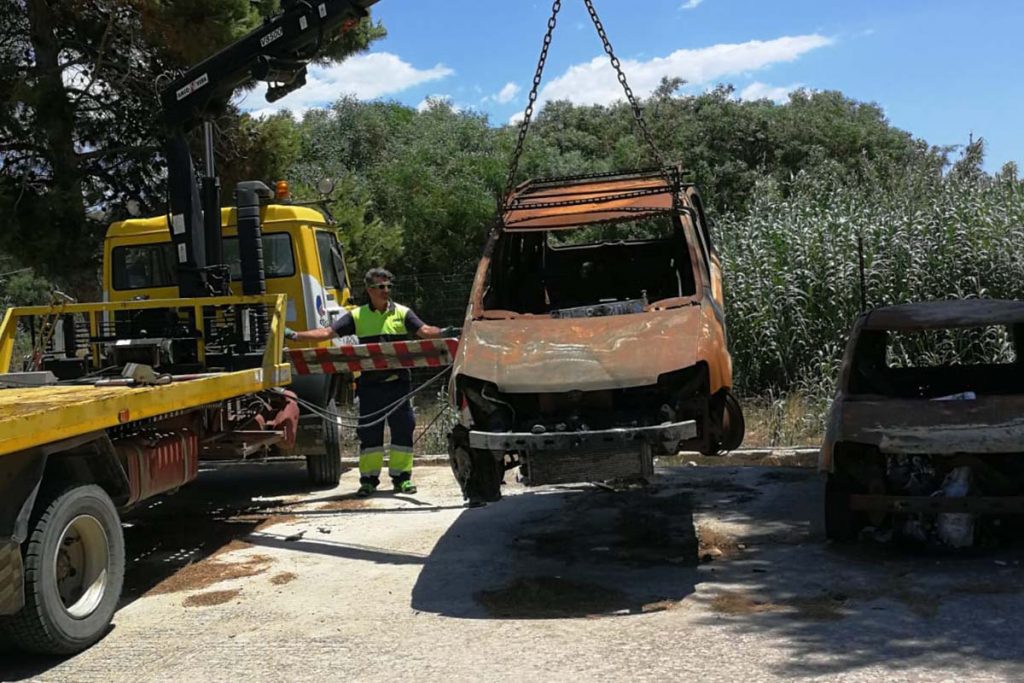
x=637 y=111
x=524 y=126
x=528 y=114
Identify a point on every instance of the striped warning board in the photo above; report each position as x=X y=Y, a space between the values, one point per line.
x=348 y=358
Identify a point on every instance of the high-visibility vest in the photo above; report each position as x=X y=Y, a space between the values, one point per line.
x=375 y=326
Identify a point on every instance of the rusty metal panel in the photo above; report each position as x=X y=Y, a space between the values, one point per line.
x=988 y=424
x=541 y=354
x=562 y=204
x=159 y=463
x=945 y=314
x=12 y=592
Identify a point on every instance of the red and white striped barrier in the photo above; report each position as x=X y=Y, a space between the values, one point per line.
x=427 y=353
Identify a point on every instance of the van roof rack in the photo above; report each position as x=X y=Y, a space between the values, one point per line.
x=573 y=201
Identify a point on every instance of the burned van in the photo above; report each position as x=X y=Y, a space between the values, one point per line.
x=594 y=338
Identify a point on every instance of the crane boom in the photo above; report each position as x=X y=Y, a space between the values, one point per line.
x=276 y=53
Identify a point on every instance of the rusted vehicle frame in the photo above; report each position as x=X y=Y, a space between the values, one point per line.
x=564 y=352
x=866 y=428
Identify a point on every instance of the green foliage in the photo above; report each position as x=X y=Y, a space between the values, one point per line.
x=416 y=189
x=81 y=132
x=791 y=263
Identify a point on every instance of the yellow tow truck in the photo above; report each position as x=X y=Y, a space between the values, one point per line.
x=302 y=259
x=103 y=405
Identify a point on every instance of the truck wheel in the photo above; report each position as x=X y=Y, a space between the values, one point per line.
x=841 y=523
x=478 y=472
x=74 y=570
x=324 y=469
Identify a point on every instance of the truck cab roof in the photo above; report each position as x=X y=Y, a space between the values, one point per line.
x=271 y=213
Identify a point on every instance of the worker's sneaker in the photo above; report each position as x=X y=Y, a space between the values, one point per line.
x=366 y=489
x=405 y=486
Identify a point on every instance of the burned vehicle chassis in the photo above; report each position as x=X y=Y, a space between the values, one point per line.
x=595 y=338
x=933 y=453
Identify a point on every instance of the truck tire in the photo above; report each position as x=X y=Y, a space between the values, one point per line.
x=324 y=469
x=74 y=570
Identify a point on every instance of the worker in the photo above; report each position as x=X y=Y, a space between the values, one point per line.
x=381 y=320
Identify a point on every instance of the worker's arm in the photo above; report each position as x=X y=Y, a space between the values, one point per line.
x=342 y=326
x=429 y=332
x=317 y=335
x=423 y=331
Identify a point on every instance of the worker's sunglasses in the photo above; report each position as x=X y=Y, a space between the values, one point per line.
x=380 y=285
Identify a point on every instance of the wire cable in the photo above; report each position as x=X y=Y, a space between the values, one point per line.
x=387 y=410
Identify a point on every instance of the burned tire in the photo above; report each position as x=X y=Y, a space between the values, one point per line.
x=324 y=469
x=728 y=426
x=478 y=472
x=842 y=524
x=734 y=426
x=74 y=570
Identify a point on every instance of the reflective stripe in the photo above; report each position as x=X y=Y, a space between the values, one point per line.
x=399 y=461
x=371 y=462
x=421 y=353
x=12 y=591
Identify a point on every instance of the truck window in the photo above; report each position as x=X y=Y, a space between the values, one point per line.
x=278 y=260
x=330 y=260
x=154 y=265
x=144 y=266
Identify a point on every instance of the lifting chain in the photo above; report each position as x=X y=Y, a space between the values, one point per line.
x=638 y=113
x=524 y=126
x=528 y=114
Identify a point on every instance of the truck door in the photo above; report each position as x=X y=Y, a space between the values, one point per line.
x=333 y=273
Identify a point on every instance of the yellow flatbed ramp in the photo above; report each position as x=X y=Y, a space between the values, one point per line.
x=38 y=415
x=34 y=416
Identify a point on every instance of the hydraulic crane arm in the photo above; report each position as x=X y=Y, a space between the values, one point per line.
x=277 y=53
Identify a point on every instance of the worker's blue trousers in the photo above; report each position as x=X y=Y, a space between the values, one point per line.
x=373 y=399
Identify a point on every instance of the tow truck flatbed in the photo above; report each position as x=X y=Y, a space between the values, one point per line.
x=35 y=416
x=39 y=415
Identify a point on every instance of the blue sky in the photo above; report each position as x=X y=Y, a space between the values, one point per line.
x=939 y=69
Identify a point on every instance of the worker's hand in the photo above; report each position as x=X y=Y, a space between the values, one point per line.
x=289 y=333
x=447 y=332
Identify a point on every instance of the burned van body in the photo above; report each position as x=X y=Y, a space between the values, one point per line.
x=594 y=338
x=926 y=434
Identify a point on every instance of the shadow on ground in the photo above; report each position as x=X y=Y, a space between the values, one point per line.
x=563 y=553
x=163 y=536
x=863 y=606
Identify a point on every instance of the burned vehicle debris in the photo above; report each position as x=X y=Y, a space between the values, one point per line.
x=926 y=434
x=594 y=338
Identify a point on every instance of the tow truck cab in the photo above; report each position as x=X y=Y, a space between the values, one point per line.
x=301 y=254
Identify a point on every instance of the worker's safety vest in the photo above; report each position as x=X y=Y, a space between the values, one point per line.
x=374 y=326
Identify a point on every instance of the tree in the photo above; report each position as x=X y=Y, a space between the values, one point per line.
x=80 y=132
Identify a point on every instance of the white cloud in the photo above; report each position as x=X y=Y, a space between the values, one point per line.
x=763 y=91
x=364 y=76
x=594 y=82
x=691 y=4
x=507 y=94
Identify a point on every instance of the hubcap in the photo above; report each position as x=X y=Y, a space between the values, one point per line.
x=80 y=566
